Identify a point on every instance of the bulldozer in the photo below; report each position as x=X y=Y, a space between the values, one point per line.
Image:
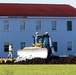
x=41 y=48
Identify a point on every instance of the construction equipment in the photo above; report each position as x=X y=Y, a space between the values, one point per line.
x=41 y=48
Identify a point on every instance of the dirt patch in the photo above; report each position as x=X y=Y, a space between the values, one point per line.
x=54 y=60
x=51 y=60
x=7 y=61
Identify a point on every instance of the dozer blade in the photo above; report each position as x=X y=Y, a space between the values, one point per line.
x=33 y=52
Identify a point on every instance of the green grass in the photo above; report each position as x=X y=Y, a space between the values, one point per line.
x=37 y=69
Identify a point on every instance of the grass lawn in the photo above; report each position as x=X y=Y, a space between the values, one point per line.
x=37 y=69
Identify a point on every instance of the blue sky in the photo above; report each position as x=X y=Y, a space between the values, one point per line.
x=70 y=2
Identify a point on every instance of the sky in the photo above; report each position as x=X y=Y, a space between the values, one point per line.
x=70 y=2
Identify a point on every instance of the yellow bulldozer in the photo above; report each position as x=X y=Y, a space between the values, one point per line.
x=41 y=48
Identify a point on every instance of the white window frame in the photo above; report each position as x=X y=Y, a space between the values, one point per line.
x=69 y=45
x=38 y=25
x=22 y=25
x=6 y=25
x=54 y=25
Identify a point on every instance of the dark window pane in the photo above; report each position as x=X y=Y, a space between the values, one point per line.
x=69 y=25
x=55 y=46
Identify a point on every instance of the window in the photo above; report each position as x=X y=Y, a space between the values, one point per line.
x=69 y=46
x=22 y=25
x=38 y=25
x=55 y=46
x=23 y=44
x=53 y=25
x=6 y=25
x=69 y=25
x=6 y=46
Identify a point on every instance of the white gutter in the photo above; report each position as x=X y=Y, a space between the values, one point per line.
x=48 y=17
x=36 y=17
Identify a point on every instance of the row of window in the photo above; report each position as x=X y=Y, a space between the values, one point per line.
x=6 y=46
x=69 y=46
x=6 y=25
x=23 y=44
x=38 y=25
x=54 y=25
x=69 y=25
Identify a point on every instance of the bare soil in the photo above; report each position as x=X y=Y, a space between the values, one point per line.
x=52 y=60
